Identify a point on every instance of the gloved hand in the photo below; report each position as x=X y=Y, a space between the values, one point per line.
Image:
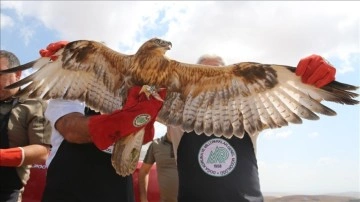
x=315 y=70
x=137 y=113
x=52 y=48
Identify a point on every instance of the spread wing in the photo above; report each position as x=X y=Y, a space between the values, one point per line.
x=243 y=97
x=224 y=101
x=85 y=70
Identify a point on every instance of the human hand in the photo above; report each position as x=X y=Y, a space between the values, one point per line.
x=137 y=113
x=52 y=48
x=133 y=98
x=315 y=70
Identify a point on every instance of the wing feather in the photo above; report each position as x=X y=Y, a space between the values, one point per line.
x=265 y=117
x=216 y=116
x=272 y=105
x=85 y=70
x=225 y=101
x=246 y=97
x=172 y=109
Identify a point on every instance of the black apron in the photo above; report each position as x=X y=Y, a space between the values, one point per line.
x=10 y=183
x=83 y=173
x=203 y=179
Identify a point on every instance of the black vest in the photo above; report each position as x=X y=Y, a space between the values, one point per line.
x=215 y=169
x=10 y=182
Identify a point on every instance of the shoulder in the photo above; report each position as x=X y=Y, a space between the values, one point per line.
x=31 y=106
x=157 y=141
x=33 y=102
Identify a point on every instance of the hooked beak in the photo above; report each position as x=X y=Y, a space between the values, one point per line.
x=169 y=45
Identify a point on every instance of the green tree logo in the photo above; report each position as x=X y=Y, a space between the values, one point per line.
x=218 y=155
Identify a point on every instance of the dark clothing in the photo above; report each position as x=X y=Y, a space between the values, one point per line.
x=11 y=184
x=9 y=195
x=215 y=169
x=83 y=173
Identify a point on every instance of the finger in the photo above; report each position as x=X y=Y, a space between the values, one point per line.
x=302 y=66
x=56 y=46
x=46 y=53
x=49 y=53
x=314 y=64
x=332 y=71
x=318 y=73
x=305 y=76
x=54 y=57
x=329 y=77
x=50 y=47
x=43 y=52
x=324 y=81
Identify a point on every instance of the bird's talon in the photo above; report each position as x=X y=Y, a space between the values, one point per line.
x=150 y=90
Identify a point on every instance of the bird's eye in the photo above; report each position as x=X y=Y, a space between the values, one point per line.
x=158 y=41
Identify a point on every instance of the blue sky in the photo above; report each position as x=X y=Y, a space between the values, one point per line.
x=315 y=157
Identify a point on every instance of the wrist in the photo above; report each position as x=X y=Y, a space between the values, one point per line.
x=12 y=157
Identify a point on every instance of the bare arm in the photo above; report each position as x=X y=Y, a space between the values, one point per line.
x=35 y=154
x=143 y=181
x=176 y=134
x=74 y=128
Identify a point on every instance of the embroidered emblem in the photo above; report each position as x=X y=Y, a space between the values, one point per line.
x=141 y=120
x=217 y=157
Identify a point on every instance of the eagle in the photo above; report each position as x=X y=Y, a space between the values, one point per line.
x=231 y=100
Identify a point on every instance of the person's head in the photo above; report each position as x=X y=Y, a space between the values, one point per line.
x=213 y=60
x=8 y=60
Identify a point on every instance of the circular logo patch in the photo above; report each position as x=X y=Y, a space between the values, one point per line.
x=141 y=120
x=217 y=157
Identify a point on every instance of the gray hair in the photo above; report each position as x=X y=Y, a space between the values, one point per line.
x=13 y=60
x=211 y=57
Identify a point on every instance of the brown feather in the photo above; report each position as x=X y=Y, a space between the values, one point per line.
x=225 y=101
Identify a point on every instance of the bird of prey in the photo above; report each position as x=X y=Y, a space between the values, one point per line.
x=225 y=101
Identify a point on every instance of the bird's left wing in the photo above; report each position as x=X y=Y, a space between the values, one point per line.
x=244 y=97
x=84 y=70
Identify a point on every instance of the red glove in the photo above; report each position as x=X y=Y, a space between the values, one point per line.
x=315 y=70
x=137 y=113
x=52 y=48
x=149 y=131
x=12 y=157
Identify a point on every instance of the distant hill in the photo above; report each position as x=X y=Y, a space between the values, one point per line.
x=349 y=194
x=311 y=198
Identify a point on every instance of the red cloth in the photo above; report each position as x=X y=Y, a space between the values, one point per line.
x=137 y=113
x=315 y=70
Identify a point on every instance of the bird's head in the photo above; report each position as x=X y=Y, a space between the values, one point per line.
x=155 y=46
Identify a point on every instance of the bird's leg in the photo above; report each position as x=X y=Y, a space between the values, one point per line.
x=150 y=90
